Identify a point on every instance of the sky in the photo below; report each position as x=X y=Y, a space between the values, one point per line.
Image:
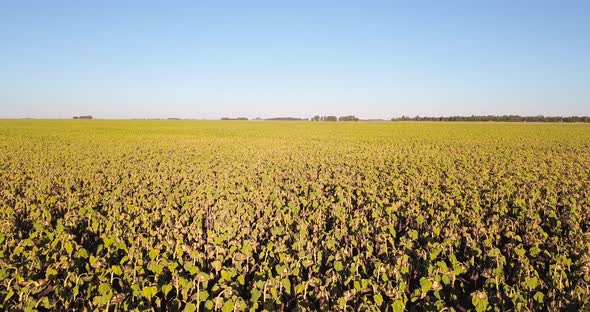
x=372 y=59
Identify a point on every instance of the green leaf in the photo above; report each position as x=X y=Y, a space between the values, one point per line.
x=104 y=288
x=255 y=295
x=190 y=307
x=357 y=285
x=338 y=266
x=149 y=291
x=279 y=268
x=299 y=289
x=539 y=297
x=287 y=284
x=103 y=300
x=398 y=306
x=135 y=289
x=166 y=289
x=155 y=267
x=203 y=296
x=45 y=302
x=425 y=285
x=217 y=265
x=82 y=253
x=519 y=251
x=479 y=301
x=378 y=299
x=116 y=269
x=531 y=282
x=93 y=260
x=228 y=306
x=342 y=303
x=225 y=275
x=108 y=241
x=153 y=254
x=193 y=270
x=9 y=295
x=203 y=277
x=68 y=247
x=50 y=272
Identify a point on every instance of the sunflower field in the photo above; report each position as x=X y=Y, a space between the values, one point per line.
x=279 y=216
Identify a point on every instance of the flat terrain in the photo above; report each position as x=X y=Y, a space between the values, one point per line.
x=241 y=215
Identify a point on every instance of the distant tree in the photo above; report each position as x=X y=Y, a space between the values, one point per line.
x=348 y=118
x=239 y=118
x=330 y=118
x=316 y=118
x=503 y=118
x=287 y=119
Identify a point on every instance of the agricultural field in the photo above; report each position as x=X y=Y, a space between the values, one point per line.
x=244 y=215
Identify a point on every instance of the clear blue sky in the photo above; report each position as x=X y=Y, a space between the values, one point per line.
x=373 y=59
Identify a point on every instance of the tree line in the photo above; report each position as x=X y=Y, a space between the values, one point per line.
x=315 y=118
x=502 y=118
x=496 y=118
x=239 y=118
x=334 y=118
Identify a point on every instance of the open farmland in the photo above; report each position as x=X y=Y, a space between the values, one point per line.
x=233 y=215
